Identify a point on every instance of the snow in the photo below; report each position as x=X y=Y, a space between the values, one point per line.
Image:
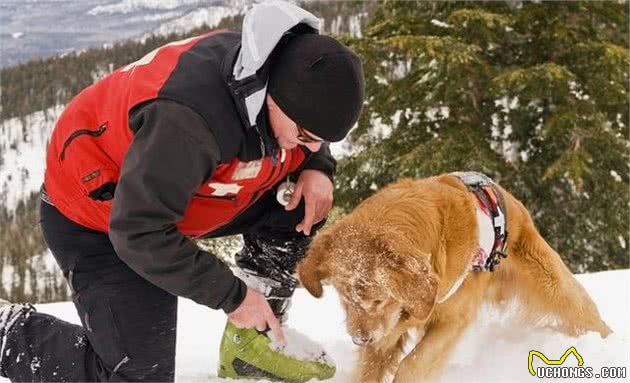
x=381 y=80
x=353 y=22
x=127 y=6
x=41 y=267
x=507 y=104
x=301 y=346
x=493 y=349
x=439 y=23
x=341 y=149
x=379 y=130
x=23 y=147
x=354 y=26
x=437 y=113
x=619 y=121
x=576 y=90
x=31 y=28
x=208 y=16
x=501 y=130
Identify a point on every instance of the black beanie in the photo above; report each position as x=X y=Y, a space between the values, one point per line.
x=318 y=82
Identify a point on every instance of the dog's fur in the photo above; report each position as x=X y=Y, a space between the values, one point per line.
x=402 y=249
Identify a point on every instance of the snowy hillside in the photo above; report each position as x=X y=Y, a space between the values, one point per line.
x=493 y=350
x=23 y=150
x=33 y=29
x=129 y=6
x=208 y=16
x=27 y=31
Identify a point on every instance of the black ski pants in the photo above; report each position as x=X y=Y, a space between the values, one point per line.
x=129 y=325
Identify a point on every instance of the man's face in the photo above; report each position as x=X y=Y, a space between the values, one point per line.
x=286 y=131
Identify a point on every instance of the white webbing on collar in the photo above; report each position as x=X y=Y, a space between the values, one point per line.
x=486 y=241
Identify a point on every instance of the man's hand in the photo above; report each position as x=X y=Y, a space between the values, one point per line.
x=255 y=312
x=317 y=190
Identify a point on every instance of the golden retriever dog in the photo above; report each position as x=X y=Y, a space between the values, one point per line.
x=398 y=261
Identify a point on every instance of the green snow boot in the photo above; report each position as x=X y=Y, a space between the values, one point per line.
x=248 y=354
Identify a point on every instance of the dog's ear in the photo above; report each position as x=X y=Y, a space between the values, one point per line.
x=314 y=268
x=414 y=284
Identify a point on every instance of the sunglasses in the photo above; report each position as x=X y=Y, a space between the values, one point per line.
x=305 y=137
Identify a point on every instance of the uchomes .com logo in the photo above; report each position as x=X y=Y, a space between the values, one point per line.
x=554 y=368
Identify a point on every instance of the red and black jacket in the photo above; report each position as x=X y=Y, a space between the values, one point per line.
x=160 y=151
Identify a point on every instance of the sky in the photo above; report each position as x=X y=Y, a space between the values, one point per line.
x=494 y=349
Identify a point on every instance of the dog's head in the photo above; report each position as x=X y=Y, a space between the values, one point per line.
x=379 y=278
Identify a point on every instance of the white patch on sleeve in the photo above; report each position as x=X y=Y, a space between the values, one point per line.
x=247 y=170
x=221 y=190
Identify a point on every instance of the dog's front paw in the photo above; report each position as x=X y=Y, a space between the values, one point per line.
x=389 y=378
x=356 y=378
x=370 y=376
x=408 y=373
x=407 y=379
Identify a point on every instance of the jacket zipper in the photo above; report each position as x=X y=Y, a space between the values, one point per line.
x=223 y=197
x=92 y=133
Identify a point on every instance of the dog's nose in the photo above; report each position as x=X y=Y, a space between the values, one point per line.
x=360 y=340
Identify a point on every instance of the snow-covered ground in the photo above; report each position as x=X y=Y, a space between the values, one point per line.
x=494 y=349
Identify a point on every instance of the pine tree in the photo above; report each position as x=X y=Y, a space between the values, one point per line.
x=533 y=94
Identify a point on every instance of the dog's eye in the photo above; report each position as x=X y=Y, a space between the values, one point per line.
x=377 y=303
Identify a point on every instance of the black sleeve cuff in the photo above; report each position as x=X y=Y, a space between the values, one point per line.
x=235 y=297
x=322 y=161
